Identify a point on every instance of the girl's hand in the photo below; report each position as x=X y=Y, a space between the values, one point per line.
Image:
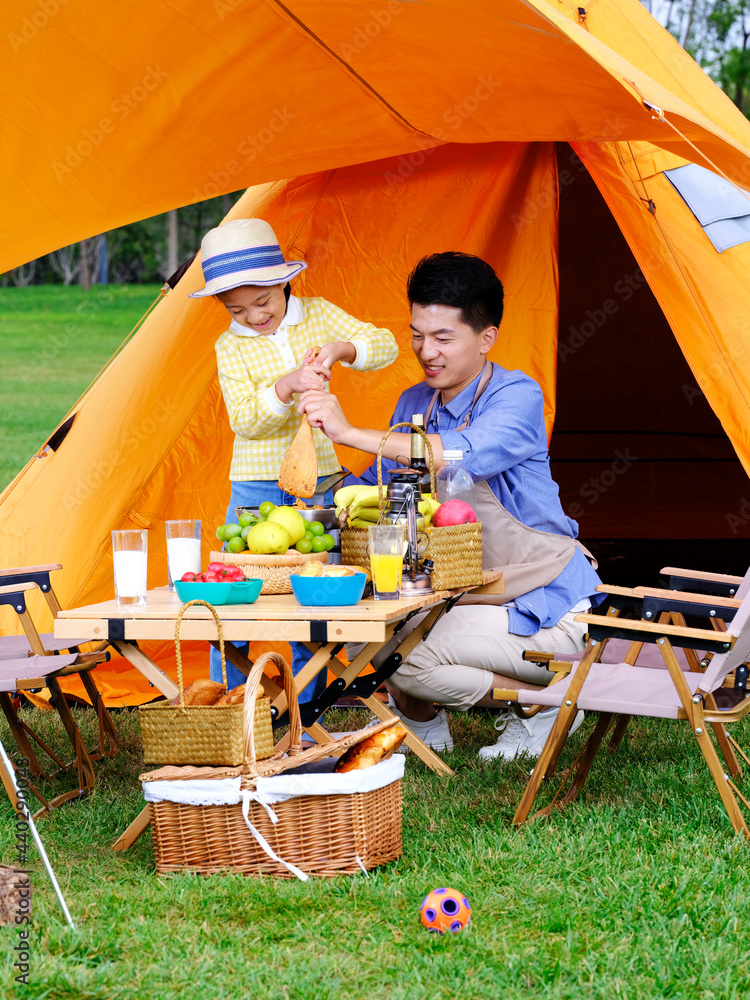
x=313 y=376
x=339 y=350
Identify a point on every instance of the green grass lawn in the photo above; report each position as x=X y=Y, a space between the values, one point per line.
x=53 y=342
x=637 y=891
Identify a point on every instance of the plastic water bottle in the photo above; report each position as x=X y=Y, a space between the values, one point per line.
x=453 y=482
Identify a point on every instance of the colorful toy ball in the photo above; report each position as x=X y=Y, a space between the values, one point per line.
x=445 y=910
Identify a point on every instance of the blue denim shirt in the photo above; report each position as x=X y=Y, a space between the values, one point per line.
x=506 y=445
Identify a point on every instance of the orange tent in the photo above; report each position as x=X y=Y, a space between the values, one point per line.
x=369 y=135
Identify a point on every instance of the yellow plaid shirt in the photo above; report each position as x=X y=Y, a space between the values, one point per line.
x=250 y=364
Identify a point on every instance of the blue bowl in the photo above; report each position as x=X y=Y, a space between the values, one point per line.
x=214 y=593
x=328 y=592
x=245 y=592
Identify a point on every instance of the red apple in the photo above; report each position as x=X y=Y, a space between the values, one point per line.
x=453 y=512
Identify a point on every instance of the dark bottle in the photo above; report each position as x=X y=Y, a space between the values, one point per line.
x=418 y=460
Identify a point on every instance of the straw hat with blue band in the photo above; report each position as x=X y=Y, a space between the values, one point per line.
x=243 y=252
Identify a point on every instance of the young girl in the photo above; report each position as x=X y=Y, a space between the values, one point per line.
x=262 y=363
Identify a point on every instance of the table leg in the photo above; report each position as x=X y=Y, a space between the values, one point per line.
x=276 y=694
x=383 y=712
x=319 y=661
x=147 y=667
x=377 y=707
x=235 y=657
x=315 y=731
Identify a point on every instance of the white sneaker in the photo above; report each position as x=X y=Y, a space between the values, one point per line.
x=435 y=733
x=523 y=736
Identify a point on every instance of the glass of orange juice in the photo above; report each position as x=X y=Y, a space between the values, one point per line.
x=386 y=560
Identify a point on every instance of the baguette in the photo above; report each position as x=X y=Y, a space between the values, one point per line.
x=371 y=751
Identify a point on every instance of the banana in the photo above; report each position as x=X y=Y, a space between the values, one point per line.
x=426 y=498
x=358 y=522
x=366 y=496
x=345 y=496
x=365 y=514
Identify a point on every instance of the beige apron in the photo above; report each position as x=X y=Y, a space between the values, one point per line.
x=528 y=558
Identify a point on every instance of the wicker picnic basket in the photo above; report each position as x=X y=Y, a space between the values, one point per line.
x=455 y=551
x=201 y=734
x=274 y=571
x=322 y=835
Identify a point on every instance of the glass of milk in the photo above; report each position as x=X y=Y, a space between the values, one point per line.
x=130 y=558
x=183 y=548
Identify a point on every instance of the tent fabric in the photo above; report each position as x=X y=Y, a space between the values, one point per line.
x=115 y=112
x=390 y=133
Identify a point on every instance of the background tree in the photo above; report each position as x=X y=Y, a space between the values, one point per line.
x=716 y=33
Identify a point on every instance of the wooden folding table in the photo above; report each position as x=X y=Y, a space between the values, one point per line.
x=274 y=619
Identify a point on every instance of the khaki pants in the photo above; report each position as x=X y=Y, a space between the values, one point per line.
x=455 y=667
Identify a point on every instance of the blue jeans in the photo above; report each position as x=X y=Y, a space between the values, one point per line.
x=253 y=494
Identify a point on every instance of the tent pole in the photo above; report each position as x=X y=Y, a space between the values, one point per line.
x=34 y=832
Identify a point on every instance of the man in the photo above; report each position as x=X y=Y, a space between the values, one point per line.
x=496 y=417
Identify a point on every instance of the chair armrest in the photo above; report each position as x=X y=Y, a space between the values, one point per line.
x=28 y=570
x=641 y=631
x=621 y=597
x=536 y=656
x=39 y=576
x=707 y=583
x=17 y=588
x=655 y=600
x=700 y=575
x=686 y=597
x=607 y=588
x=683 y=602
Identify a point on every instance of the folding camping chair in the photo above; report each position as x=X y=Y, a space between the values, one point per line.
x=717 y=599
x=36 y=660
x=668 y=692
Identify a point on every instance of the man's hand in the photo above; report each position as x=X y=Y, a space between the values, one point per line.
x=324 y=410
x=301 y=380
x=339 y=350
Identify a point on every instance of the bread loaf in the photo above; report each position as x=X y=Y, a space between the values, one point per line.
x=371 y=750
x=202 y=692
x=237 y=695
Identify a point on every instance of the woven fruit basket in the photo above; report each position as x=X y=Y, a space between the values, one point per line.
x=274 y=571
x=309 y=833
x=201 y=734
x=455 y=550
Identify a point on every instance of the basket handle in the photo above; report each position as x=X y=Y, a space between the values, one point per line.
x=251 y=696
x=428 y=445
x=178 y=650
